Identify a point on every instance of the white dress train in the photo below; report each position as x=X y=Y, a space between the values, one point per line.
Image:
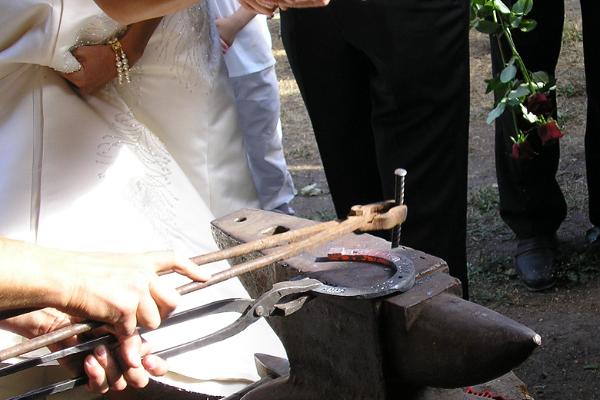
x=137 y=167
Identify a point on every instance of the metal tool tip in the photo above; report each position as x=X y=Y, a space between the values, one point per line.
x=537 y=339
x=400 y=172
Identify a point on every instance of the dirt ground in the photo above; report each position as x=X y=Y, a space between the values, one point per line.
x=567 y=366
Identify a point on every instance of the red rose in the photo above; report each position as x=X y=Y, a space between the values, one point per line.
x=539 y=104
x=549 y=132
x=522 y=151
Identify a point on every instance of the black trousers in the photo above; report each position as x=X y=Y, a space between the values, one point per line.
x=531 y=201
x=386 y=85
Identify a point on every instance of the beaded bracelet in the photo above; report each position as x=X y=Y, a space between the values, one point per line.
x=120 y=61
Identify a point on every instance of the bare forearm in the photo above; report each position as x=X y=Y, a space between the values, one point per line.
x=231 y=25
x=25 y=281
x=242 y=16
x=130 y=11
x=136 y=38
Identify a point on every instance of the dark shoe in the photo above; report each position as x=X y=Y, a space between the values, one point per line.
x=535 y=262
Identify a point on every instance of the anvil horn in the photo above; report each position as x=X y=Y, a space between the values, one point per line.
x=449 y=342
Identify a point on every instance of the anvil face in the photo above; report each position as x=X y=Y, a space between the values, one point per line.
x=376 y=348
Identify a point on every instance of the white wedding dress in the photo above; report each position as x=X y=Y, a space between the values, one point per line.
x=137 y=167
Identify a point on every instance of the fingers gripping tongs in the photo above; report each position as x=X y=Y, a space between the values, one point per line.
x=283 y=299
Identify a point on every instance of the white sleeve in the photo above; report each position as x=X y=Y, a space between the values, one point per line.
x=28 y=30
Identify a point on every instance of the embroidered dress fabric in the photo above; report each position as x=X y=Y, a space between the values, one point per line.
x=137 y=167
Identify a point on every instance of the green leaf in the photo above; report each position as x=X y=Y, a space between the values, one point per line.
x=487 y=27
x=499 y=88
x=527 y=25
x=501 y=7
x=496 y=112
x=492 y=84
x=513 y=102
x=473 y=17
x=485 y=11
x=515 y=21
x=508 y=73
x=518 y=7
x=522 y=7
x=521 y=137
x=521 y=91
x=540 y=77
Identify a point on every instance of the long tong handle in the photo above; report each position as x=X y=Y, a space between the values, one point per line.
x=326 y=232
x=219 y=255
x=216 y=307
x=248 y=316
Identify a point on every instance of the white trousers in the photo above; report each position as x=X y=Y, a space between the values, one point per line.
x=257 y=100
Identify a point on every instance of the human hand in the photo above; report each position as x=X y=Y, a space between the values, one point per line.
x=231 y=25
x=224 y=46
x=40 y=322
x=98 y=62
x=285 y=4
x=123 y=290
x=228 y=29
x=128 y=364
x=97 y=68
x=265 y=7
x=268 y=7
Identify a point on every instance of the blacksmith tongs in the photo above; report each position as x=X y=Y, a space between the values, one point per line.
x=283 y=299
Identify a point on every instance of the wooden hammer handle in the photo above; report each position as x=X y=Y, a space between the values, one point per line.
x=326 y=231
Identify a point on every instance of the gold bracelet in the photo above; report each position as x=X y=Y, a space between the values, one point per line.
x=121 y=61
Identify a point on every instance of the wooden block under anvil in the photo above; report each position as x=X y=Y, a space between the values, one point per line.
x=397 y=347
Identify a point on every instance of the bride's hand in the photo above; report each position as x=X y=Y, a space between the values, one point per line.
x=98 y=62
x=97 y=68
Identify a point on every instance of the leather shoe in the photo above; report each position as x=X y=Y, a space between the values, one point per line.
x=535 y=262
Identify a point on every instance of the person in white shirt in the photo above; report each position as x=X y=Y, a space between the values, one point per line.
x=250 y=63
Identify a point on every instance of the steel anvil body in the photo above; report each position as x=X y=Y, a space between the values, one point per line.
x=394 y=347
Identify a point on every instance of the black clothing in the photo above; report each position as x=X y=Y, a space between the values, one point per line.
x=386 y=85
x=531 y=201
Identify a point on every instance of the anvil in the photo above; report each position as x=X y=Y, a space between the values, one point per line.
x=392 y=347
